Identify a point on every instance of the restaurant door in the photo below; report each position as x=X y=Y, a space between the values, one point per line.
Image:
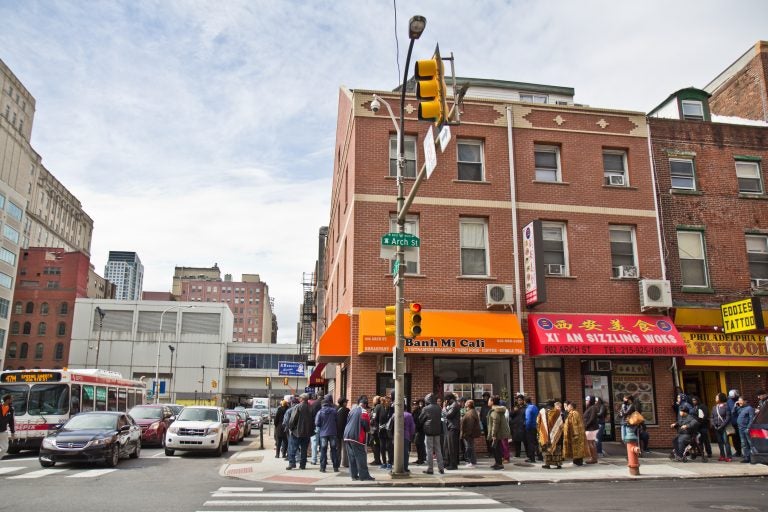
x=704 y=385
x=598 y=383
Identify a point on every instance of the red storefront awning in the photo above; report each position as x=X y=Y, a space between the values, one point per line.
x=561 y=334
x=316 y=378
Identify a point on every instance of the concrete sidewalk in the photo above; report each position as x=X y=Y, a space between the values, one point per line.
x=255 y=464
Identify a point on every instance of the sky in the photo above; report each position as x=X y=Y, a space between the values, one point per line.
x=198 y=132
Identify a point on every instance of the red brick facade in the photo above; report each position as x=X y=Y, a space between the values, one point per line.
x=745 y=92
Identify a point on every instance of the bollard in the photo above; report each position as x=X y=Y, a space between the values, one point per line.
x=261 y=435
x=633 y=459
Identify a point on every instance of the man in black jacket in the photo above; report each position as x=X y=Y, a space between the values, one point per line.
x=686 y=426
x=431 y=421
x=421 y=449
x=342 y=413
x=301 y=426
x=452 y=424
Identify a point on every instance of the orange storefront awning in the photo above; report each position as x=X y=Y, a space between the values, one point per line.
x=334 y=344
x=447 y=332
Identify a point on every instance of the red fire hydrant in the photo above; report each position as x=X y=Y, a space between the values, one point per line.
x=633 y=458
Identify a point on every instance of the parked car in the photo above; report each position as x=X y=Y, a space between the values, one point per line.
x=154 y=421
x=758 y=436
x=176 y=408
x=92 y=436
x=198 y=427
x=236 y=427
x=263 y=412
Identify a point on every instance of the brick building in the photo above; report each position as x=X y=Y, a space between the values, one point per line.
x=741 y=90
x=531 y=189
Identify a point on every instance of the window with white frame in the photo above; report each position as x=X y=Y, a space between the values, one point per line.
x=409 y=153
x=615 y=168
x=547 y=162
x=554 y=245
x=411 y=253
x=533 y=98
x=682 y=173
x=748 y=176
x=693 y=110
x=693 y=262
x=623 y=257
x=10 y=233
x=470 y=160
x=757 y=256
x=474 y=246
x=7 y=256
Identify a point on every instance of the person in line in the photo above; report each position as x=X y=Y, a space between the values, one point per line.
x=733 y=406
x=630 y=434
x=531 y=430
x=419 y=440
x=517 y=425
x=281 y=440
x=314 y=407
x=498 y=430
x=699 y=411
x=574 y=435
x=302 y=427
x=505 y=441
x=720 y=419
x=602 y=415
x=373 y=439
x=680 y=398
x=383 y=413
x=432 y=424
x=591 y=428
x=549 y=425
x=7 y=424
x=409 y=429
x=484 y=411
x=470 y=430
x=342 y=413
x=325 y=423
x=452 y=425
x=355 y=434
x=292 y=403
x=762 y=400
x=686 y=426
x=746 y=414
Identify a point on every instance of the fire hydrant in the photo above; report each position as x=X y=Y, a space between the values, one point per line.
x=633 y=458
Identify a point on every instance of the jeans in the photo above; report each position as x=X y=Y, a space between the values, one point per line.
x=358 y=465
x=722 y=443
x=600 y=435
x=432 y=443
x=298 y=448
x=469 y=450
x=384 y=447
x=324 y=442
x=421 y=450
x=746 y=444
x=313 y=456
x=530 y=444
x=281 y=445
x=342 y=452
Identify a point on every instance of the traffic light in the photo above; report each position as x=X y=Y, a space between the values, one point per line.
x=430 y=89
x=414 y=329
x=285 y=381
x=390 y=315
x=269 y=381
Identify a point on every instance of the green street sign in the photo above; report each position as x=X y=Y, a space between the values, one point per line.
x=395 y=267
x=401 y=239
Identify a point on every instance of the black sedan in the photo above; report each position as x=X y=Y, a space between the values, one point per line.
x=93 y=436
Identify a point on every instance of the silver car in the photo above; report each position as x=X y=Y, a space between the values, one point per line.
x=196 y=428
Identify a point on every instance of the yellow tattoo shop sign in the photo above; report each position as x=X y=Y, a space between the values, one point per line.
x=742 y=315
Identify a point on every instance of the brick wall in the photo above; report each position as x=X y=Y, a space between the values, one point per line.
x=745 y=94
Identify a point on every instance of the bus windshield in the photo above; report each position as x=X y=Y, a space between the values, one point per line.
x=19 y=393
x=48 y=399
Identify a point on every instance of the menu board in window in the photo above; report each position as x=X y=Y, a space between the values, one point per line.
x=467 y=389
x=635 y=378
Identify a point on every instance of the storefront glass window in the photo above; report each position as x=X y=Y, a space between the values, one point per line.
x=470 y=378
x=636 y=378
x=549 y=379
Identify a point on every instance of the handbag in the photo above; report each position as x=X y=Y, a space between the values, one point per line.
x=635 y=419
x=729 y=430
x=592 y=435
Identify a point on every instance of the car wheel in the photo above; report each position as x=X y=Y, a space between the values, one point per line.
x=219 y=449
x=136 y=451
x=113 y=458
x=47 y=463
x=226 y=446
x=169 y=452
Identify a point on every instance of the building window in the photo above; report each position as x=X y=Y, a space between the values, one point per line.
x=10 y=233
x=30 y=308
x=7 y=256
x=58 y=354
x=748 y=175
x=623 y=258
x=6 y=281
x=15 y=328
x=411 y=253
x=693 y=264
x=44 y=308
x=474 y=241
x=5 y=307
x=61 y=330
x=547 y=161
x=39 y=351
x=533 y=98
x=41 y=329
x=693 y=110
x=554 y=244
x=615 y=168
x=550 y=379
x=63 y=308
x=410 y=156
x=27 y=329
x=470 y=160
x=18 y=307
x=682 y=173
x=757 y=255
x=13 y=210
x=24 y=351
x=12 y=347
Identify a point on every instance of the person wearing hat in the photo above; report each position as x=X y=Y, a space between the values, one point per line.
x=733 y=407
x=342 y=413
x=281 y=437
x=355 y=437
x=301 y=427
x=325 y=425
x=686 y=426
x=453 y=427
x=762 y=399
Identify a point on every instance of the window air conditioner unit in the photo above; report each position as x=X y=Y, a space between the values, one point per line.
x=655 y=293
x=625 y=271
x=761 y=284
x=602 y=365
x=499 y=295
x=614 y=179
x=554 y=269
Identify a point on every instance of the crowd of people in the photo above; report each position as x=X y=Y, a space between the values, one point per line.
x=444 y=431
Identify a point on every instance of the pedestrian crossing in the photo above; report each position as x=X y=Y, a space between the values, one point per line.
x=353 y=497
x=27 y=473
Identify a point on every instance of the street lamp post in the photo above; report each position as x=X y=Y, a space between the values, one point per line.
x=157 y=365
x=202 y=382
x=101 y=314
x=172 y=349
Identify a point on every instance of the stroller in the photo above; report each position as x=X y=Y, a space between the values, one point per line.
x=693 y=449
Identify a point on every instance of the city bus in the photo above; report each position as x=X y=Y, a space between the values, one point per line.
x=43 y=399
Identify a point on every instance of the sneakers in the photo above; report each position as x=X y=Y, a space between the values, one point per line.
x=428 y=472
x=469 y=465
x=290 y=468
x=728 y=459
x=497 y=467
x=442 y=471
x=721 y=459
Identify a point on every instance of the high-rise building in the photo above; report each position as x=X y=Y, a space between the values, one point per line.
x=125 y=270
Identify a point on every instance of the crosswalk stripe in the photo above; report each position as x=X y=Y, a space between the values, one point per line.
x=402 y=493
x=421 y=509
x=38 y=474
x=347 y=503
x=91 y=473
x=11 y=469
x=241 y=489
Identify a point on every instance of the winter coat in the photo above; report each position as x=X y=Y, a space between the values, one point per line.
x=531 y=414
x=470 y=425
x=431 y=417
x=627 y=408
x=498 y=426
x=358 y=425
x=325 y=421
x=517 y=423
x=721 y=416
x=590 y=418
x=452 y=415
x=745 y=418
x=409 y=426
x=342 y=413
x=301 y=423
x=279 y=416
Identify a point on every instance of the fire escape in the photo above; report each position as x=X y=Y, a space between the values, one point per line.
x=308 y=315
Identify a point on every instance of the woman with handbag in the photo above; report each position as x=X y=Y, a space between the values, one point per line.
x=591 y=427
x=630 y=421
x=721 y=422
